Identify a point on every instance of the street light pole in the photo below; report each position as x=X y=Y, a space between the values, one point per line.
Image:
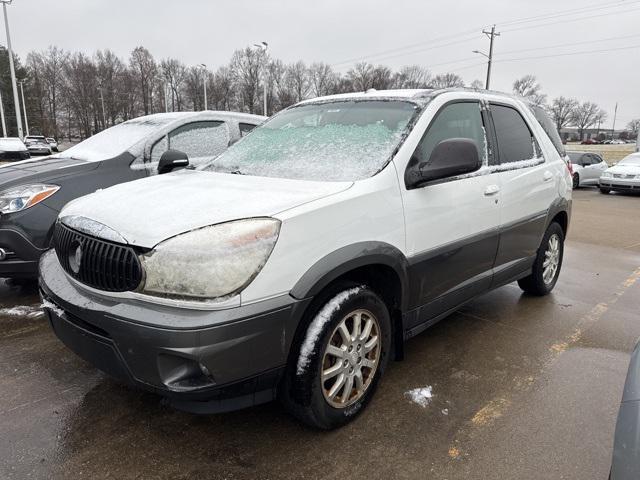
x=204 y=83
x=24 y=107
x=12 y=68
x=264 y=46
x=104 y=117
x=4 y=124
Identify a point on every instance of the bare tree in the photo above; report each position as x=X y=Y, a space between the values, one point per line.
x=361 y=76
x=298 y=80
x=634 y=126
x=81 y=91
x=447 y=80
x=529 y=88
x=477 y=84
x=110 y=71
x=561 y=110
x=246 y=71
x=412 y=76
x=382 y=78
x=193 y=86
x=321 y=79
x=174 y=72
x=144 y=66
x=221 y=89
x=585 y=115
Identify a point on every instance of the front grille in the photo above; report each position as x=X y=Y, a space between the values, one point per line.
x=98 y=263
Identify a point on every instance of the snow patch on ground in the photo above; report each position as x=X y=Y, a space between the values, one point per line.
x=21 y=311
x=421 y=395
x=318 y=323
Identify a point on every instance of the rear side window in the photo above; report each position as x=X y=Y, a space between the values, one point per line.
x=245 y=128
x=515 y=141
x=457 y=120
x=549 y=127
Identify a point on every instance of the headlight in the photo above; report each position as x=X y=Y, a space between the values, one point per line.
x=210 y=262
x=25 y=196
x=607 y=175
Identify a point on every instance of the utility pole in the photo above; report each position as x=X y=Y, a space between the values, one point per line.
x=492 y=35
x=24 y=107
x=4 y=124
x=12 y=69
x=615 y=114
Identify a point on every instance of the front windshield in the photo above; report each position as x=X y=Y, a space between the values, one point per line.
x=630 y=160
x=335 y=141
x=115 y=140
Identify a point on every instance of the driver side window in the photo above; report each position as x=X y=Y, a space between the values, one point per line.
x=457 y=120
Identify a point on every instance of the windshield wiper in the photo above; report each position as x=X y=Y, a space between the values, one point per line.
x=236 y=172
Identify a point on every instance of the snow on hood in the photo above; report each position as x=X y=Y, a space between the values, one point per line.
x=148 y=211
x=625 y=169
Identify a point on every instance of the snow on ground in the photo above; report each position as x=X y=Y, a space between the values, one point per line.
x=421 y=395
x=21 y=311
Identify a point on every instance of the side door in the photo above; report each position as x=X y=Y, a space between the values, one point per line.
x=451 y=224
x=599 y=166
x=529 y=186
x=201 y=141
x=590 y=171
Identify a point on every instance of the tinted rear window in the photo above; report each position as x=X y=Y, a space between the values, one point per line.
x=549 y=127
x=515 y=142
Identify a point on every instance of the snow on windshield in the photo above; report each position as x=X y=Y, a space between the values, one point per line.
x=337 y=141
x=115 y=140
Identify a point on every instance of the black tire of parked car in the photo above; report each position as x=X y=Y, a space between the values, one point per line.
x=605 y=190
x=301 y=392
x=576 y=181
x=534 y=283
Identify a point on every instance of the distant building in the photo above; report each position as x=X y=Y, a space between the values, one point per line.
x=573 y=133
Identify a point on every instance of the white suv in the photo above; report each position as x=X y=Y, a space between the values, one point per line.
x=297 y=262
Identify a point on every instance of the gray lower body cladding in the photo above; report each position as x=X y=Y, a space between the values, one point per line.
x=232 y=360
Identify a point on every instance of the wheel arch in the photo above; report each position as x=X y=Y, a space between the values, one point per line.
x=381 y=266
x=560 y=212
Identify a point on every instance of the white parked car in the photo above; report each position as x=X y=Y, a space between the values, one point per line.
x=12 y=148
x=587 y=168
x=624 y=176
x=53 y=143
x=297 y=262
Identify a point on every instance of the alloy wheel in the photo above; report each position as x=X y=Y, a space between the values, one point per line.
x=350 y=359
x=551 y=259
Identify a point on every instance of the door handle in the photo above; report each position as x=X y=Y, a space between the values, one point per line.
x=547 y=176
x=491 y=190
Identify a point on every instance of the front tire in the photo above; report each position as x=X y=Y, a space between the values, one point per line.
x=548 y=262
x=605 y=190
x=340 y=358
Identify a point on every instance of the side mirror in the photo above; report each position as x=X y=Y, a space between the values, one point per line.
x=172 y=159
x=233 y=141
x=451 y=157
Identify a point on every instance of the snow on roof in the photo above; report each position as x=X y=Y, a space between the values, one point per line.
x=406 y=94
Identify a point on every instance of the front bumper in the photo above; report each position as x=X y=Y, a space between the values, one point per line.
x=202 y=361
x=39 y=151
x=21 y=260
x=620 y=184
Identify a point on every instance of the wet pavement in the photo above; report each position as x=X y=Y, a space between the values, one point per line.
x=523 y=388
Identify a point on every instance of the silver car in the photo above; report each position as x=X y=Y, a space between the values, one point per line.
x=587 y=168
x=623 y=176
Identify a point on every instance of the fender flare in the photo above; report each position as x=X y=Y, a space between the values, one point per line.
x=349 y=258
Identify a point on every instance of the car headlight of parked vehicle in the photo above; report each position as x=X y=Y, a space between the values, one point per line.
x=25 y=196
x=211 y=262
x=607 y=175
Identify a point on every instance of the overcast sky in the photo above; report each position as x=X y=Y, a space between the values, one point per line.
x=443 y=35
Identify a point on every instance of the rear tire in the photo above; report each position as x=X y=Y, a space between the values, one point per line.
x=340 y=358
x=548 y=262
x=605 y=190
x=576 y=181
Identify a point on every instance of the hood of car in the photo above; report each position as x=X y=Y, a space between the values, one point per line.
x=39 y=170
x=624 y=169
x=148 y=211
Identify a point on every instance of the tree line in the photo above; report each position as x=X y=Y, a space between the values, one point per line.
x=74 y=95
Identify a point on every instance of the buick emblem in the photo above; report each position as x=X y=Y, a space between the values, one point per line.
x=75 y=256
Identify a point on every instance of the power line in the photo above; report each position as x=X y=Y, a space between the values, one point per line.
x=404 y=50
x=568 y=54
x=571 y=44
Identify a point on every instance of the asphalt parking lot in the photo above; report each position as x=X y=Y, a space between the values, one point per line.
x=523 y=387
